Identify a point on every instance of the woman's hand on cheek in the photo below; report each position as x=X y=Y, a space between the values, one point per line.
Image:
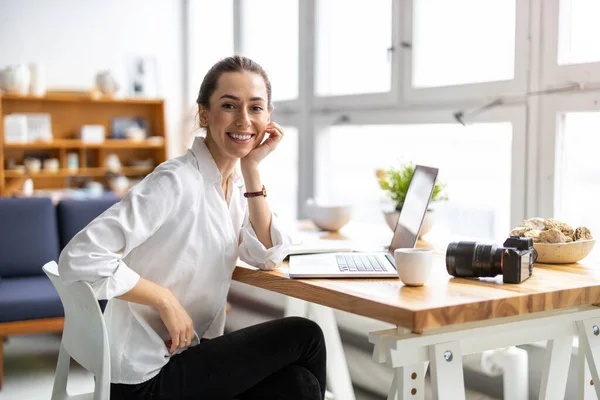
x=274 y=134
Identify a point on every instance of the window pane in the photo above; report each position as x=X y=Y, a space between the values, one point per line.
x=208 y=17
x=463 y=41
x=579 y=172
x=279 y=173
x=578 y=31
x=270 y=37
x=474 y=162
x=352 y=50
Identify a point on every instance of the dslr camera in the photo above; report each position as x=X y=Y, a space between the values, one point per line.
x=472 y=259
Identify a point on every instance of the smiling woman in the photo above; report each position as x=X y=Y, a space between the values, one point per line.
x=165 y=254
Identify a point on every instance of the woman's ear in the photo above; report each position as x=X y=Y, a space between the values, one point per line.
x=203 y=116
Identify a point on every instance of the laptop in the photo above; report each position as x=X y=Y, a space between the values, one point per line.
x=374 y=264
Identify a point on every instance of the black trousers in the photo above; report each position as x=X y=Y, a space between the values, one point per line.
x=280 y=359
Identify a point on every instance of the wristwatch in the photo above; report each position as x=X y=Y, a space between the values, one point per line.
x=263 y=193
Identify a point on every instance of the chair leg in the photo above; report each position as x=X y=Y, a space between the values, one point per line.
x=59 y=389
x=1 y=361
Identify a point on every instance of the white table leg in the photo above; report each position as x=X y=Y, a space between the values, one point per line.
x=338 y=375
x=447 y=380
x=295 y=307
x=556 y=368
x=589 y=347
x=408 y=383
x=585 y=387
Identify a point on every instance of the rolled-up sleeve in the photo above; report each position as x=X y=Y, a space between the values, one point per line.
x=253 y=252
x=96 y=253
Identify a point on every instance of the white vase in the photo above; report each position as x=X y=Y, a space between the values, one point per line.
x=16 y=79
x=391 y=217
x=37 y=85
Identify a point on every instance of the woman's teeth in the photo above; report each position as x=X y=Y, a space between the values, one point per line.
x=239 y=137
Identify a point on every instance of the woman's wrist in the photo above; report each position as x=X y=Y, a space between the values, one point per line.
x=251 y=177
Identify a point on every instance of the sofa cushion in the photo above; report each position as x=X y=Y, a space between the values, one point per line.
x=28 y=236
x=74 y=215
x=30 y=297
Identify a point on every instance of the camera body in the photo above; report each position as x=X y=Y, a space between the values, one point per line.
x=471 y=259
x=518 y=257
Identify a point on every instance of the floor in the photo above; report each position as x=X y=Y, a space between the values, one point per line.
x=30 y=360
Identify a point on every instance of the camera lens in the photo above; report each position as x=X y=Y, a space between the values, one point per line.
x=472 y=259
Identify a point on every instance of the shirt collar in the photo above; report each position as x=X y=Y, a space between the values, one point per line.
x=208 y=167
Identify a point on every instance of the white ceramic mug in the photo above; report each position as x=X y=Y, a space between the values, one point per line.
x=413 y=265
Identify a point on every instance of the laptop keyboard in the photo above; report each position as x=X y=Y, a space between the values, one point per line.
x=359 y=263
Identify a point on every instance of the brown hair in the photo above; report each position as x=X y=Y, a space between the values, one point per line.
x=230 y=64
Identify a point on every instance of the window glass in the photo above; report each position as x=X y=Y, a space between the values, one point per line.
x=578 y=31
x=579 y=171
x=463 y=41
x=270 y=37
x=352 y=45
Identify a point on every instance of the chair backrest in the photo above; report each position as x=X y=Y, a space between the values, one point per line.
x=84 y=336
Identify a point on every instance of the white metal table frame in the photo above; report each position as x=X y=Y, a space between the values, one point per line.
x=441 y=349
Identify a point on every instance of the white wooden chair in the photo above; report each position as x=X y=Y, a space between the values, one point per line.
x=84 y=338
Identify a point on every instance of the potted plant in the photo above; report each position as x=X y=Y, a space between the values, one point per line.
x=395 y=183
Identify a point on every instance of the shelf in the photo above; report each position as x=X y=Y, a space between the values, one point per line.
x=79 y=97
x=62 y=173
x=75 y=143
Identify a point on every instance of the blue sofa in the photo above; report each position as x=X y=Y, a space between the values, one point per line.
x=33 y=231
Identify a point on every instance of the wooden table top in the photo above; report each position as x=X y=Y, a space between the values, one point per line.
x=443 y=300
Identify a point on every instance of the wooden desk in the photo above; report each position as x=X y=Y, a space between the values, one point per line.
x=451 y=317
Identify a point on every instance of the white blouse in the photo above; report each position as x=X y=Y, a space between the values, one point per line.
x=175 y=229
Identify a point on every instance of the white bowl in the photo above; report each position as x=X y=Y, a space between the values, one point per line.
x=563 y=253
x=329 y=218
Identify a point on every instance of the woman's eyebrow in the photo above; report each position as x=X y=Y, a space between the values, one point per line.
x=232 y=97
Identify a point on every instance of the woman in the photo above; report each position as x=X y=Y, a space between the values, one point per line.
x=164 y=255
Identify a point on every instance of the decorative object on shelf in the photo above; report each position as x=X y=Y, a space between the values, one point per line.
x=33 y=165
x=37 y=86
x=73 y=162
x=23 y=128
x=130 y=128
x=112 y=163
x=27 y=188
x=92 y=133
x=143 y=80
x=107 y=83
x=94 y=189
x=395 y=183
x=15 y=79
x=51 y=165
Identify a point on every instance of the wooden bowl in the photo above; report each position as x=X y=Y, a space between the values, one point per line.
x=563 y=253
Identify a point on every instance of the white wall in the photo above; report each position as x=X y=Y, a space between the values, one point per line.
x=74 y=39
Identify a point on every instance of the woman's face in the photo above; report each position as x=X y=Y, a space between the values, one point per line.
x=238 y=113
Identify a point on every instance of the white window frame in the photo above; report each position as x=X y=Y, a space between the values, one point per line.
x=515 y=114
x=553 y=74
x=366 y=100
x=467 y=92
x=553 y=107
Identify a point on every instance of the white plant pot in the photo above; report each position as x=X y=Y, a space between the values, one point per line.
x=391 y=217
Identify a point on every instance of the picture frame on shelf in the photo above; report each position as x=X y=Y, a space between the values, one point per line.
x=143 y=76
x=134 y=128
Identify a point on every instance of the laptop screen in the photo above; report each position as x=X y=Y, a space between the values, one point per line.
x=414 y=208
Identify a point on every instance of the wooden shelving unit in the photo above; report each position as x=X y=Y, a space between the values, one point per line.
x=68 y=112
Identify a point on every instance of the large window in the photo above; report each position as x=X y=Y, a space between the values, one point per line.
x=579 y=171
x=474 y=162
x=269 y=36
x=353 y=44
x=463 y=41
